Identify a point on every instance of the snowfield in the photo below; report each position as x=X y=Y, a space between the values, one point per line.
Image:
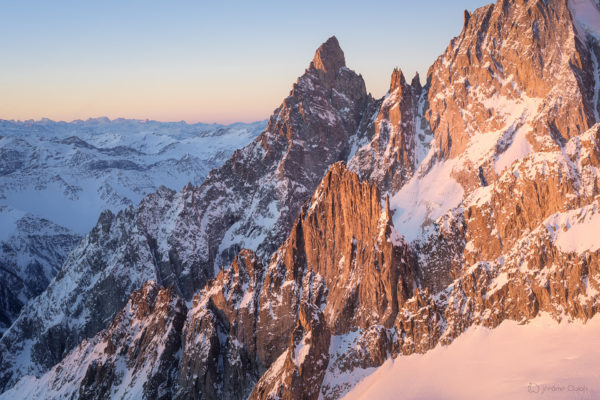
x=542 y=359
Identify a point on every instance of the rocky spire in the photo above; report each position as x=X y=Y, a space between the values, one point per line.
x=467 y=18
x=388 y=213
x=416 y=83
x=389 y=159
x=397 y=80
x=329 y=58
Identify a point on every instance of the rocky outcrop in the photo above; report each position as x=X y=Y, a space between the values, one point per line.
x=298 y=372
x=29 y=259
x=156 y=348
x=482 y=89
x=328 y=60
x=219 y=335
x=342 y=255
x=135 y=357
x=533 y=188
x=388 y=152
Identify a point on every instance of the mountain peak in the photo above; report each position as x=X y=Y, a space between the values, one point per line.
x=329 y=58
x=416 y=83
x=397 y=80
x=467 y=17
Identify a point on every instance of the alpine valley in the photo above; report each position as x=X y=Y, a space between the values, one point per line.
x=354 y=239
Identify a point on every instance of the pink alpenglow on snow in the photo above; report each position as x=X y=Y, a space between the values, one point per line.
x=541 y=359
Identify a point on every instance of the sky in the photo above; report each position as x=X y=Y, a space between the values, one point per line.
x=202 y=61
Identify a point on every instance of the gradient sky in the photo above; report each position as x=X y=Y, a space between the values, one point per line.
x=217 y=61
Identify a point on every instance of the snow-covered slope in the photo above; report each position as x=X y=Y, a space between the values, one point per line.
x=56 y=178
x=542 y=359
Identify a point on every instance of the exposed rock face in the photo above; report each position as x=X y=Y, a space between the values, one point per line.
x=298 y=372
x=328 y=60
x=515 y=262
x=349 y=240
x=343 y=266
x=342 y=255
x=135 y=357
x=482 y=89
x=155 y=348
x=219 y=336
x=531 y=190
x=29 y=259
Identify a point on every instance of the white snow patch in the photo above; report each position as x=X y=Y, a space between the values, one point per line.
x=247 y=299
x=516 y=114
x=480 y=196
x=498 y=283
x=576 y=230
x=518 y=149
x=425 y=199
x=396 y=237
x=301 y=350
